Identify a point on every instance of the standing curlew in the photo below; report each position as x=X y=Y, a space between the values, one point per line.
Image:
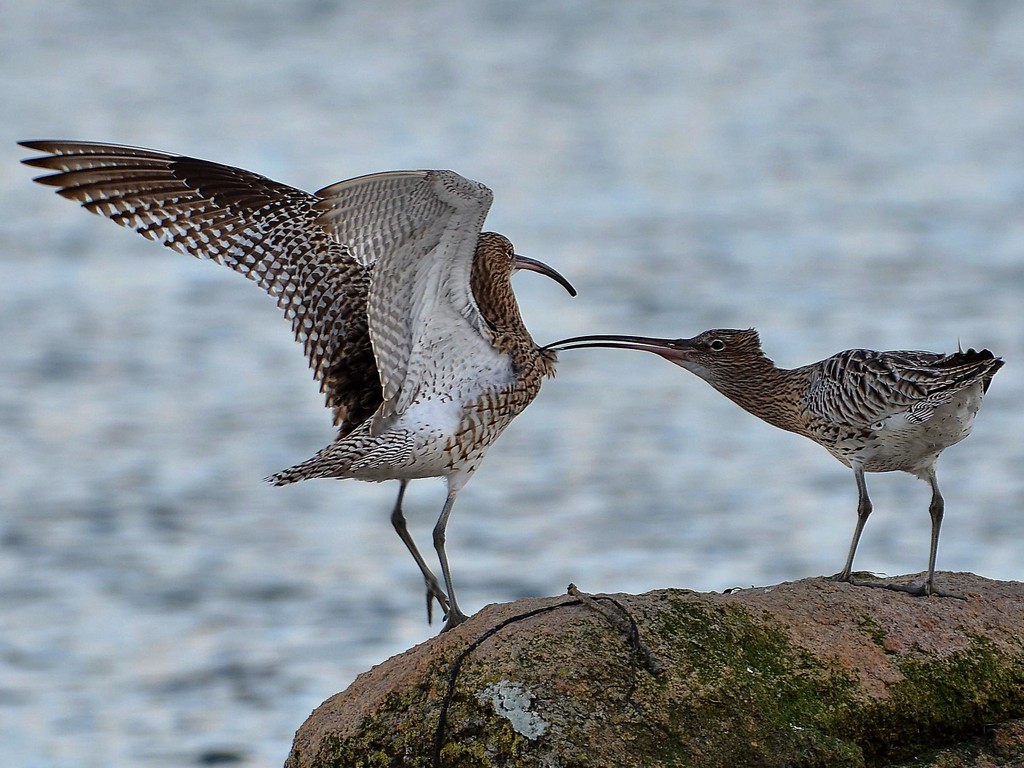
x=874 y=411
x=404 y=307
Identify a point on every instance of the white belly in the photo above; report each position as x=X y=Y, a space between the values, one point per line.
x=899 y=443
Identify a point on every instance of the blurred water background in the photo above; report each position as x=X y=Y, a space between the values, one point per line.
x=837 y=174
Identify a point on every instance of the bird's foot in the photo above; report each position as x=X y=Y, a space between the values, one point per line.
x=921 y=589
x=453 y=618
x=917 y=588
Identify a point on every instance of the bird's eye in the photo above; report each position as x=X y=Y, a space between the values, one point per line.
x=716 y=345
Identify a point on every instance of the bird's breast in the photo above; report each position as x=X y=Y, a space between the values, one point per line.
x=438 y=415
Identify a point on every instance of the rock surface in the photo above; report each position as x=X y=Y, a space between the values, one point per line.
x=809 y=673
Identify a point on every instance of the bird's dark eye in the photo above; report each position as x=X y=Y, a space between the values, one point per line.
x=716 y=345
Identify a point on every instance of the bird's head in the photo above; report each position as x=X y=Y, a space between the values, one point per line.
x=496 y=260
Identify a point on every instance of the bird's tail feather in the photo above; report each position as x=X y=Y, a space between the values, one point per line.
x=327 y=462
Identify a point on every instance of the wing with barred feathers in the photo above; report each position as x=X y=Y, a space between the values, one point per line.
x=426 y=327
x=861 y=387
x=269 y=232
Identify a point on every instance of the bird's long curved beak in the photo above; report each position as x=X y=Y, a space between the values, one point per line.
x=673 y=350
x=522 y=262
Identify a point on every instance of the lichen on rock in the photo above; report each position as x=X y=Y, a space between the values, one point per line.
x=512 y=701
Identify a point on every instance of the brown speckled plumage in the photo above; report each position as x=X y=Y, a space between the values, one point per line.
x=873 y=411
x=403 y=307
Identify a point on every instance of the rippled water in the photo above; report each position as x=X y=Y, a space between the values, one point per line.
x=839 y=175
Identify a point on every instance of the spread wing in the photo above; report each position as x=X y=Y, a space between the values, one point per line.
x=861 y=387
x=424 y=322
x=269 y=232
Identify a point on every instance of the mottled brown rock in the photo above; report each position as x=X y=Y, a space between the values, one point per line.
x=810 y=673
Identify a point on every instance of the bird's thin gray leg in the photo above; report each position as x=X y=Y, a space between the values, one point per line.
x=454 y=616
x=434 y=591
x=863 y=511
x=935 y=510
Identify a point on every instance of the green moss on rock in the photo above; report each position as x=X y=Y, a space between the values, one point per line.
x=748 y=696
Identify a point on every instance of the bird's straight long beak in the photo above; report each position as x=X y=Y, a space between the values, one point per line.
x=671 y=349
x=522 y=262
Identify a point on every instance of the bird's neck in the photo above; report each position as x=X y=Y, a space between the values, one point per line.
x=772 y=394
x=498 y=306
x=500 y=311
